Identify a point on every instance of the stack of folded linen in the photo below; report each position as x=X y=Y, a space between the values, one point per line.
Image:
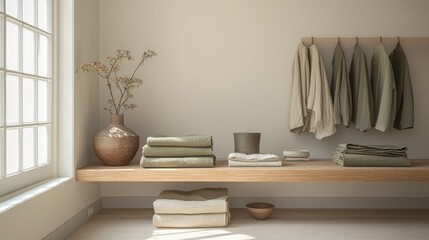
x=253 y=160
x=206 y=207
x=296 y=155
x=354 y=155
x=177 y=152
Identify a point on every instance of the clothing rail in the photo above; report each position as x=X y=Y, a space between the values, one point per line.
x=339 y=38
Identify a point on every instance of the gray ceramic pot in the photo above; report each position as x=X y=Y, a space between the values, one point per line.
x=247 y=143
x=116 y=145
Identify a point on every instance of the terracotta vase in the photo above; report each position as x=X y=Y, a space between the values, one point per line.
x=116 y=145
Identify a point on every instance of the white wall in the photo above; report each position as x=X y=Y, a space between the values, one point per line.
x=224 y=66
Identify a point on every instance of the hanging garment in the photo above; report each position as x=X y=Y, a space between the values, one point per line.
x=319 y=98
x=340 y=88
x=362 y=112
x=298 y=113
x=383 y=89
x=404 y=91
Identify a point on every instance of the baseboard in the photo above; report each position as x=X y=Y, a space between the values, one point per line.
x=66 y=229
x=293 y=202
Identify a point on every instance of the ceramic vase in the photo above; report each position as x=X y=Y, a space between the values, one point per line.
x=247 y=143
x=116 y=145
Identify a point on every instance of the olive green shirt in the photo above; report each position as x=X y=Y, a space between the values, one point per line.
x=383 y=89
x=340 y=88
x=362 y=112
x=404 y=91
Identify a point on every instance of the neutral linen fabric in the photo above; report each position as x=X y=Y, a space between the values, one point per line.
x=360 y=160
x=376 y=150
x=340 y=88
x=149 y=151
x=298 y=112
x=191 y=221
x=297 y=159
x=404 y=118
x=260 y=157
x=298 y=153
x=206 y=200
x=384 y=90
x=232 y=163
x=186 y=141
x=319 y=98
x=177 y=162
x=362 y=108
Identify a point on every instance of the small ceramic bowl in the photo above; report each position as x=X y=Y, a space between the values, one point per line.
x=260 y=210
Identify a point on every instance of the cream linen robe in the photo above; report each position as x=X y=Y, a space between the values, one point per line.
x=319 y=98
x=311 y=106
x=298 y=113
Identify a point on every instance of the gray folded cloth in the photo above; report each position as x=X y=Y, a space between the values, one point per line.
x=376 y=150
x=149 y=151
x=199 y=201
x=177 y=162
x=362 y=160
x=186 y=141
x=257 y=157
x=191 y=221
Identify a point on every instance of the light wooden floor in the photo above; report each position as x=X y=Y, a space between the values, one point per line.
x=133 y=224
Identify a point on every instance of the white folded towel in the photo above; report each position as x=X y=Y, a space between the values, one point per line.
x=232 y=163
x=300 y=153
x=191 y=221
x=259 y=157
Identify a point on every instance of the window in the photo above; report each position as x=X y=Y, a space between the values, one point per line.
x=26 y=90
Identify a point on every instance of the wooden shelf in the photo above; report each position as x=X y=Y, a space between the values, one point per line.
x=312 y=171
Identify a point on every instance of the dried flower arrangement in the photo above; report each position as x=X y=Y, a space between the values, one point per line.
x=123 y=84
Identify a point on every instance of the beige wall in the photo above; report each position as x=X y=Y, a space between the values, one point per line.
x=224 y=66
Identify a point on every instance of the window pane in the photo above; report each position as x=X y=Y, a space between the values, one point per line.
x=12 y=99
x=43 y=56
x=28 y=100
x=44 y=17
x=43 y=100
x=28 y=148
x=12 y=46
x=28 y=50
x=1 y=152
x=28 y=11
x=1 y=5
x=12 y=151
x=42 y=145
x=12 y=8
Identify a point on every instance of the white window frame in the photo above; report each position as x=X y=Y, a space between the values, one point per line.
x=10 y=184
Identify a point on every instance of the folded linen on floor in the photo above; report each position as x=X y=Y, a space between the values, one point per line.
x=149 y=151
x=232 y=163
x=177 y=162
x=199 y=201
x=376 y=150
x=260 y=157
x=191 y=221
x=362 y=160
x=186 y=141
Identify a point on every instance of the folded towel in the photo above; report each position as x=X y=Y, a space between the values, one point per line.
x=241 y=157
x=362 y=160
x=176 y=151
x=187 y=141
x=191 y=221
x=177 y=162
x=297 y=158
x=232 y=163
x=299 y=153
x=376 y=150
x=201 y=194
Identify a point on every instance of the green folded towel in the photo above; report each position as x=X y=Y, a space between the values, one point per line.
x=176 y=151
x=176 y=162
x=362 y=160
x=375 y=150
x=187 y=141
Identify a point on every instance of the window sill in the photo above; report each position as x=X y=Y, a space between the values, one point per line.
x=20 y=197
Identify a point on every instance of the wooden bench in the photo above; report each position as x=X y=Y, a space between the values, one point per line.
x=311 y=171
